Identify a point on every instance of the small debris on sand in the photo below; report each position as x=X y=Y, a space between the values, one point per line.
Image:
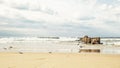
x=20 y=52
x=10 y=47
x=50 y=52
x=81 y=46
x=5 y=48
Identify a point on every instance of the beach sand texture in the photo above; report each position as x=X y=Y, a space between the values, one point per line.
x=59 y=60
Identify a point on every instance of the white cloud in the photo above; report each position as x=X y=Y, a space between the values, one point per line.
x=3 y=23
x=88 y=13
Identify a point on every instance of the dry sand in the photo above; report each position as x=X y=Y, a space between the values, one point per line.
x=58 y=60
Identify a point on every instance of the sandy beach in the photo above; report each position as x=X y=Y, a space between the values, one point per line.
x=59 y=60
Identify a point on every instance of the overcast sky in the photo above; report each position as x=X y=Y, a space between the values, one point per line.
x=68 y=18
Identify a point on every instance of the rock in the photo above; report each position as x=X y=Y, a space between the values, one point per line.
x=89 y=40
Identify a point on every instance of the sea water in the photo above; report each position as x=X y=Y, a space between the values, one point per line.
x=54 y=44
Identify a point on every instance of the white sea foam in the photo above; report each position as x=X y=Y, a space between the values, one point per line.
x=62 y=44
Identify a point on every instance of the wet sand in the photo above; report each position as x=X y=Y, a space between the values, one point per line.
x=59 y=60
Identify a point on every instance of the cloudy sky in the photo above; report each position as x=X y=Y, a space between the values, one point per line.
x=69 y=18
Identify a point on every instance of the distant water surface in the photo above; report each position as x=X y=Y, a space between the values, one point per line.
x=66 y=45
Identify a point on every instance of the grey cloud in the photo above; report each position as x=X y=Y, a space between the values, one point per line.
x=49 y=11
x=110 y=2
x=30 y=6
x=77 y=27
x=1 y=1
x=22 y=23
x=111 y=22
x=106 y=2
x=87 y=18
x=118 y=14
x=115 y=24
x=4 y=19
x=39 y=9
x=10 y=34
x=21 y=7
